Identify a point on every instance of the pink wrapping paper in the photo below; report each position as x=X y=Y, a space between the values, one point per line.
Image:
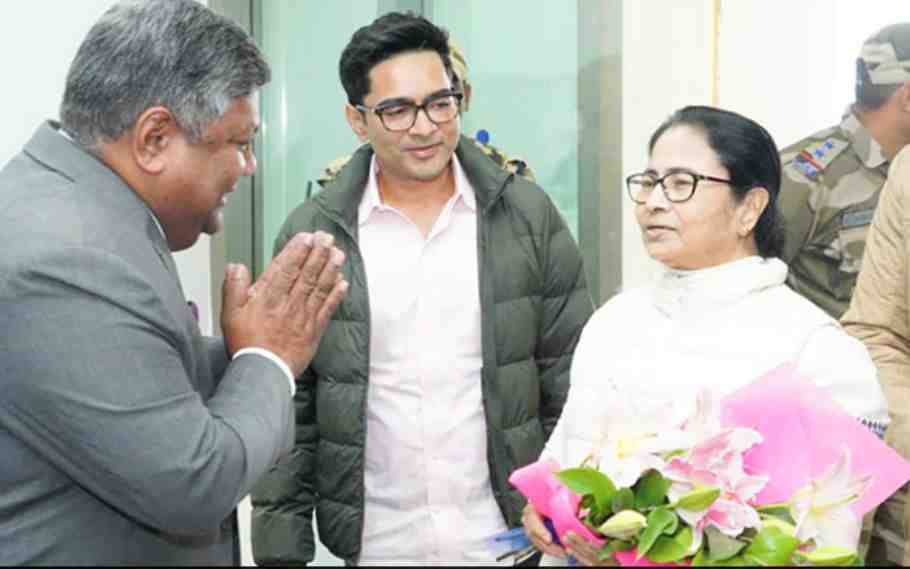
x=551 y=498
x=804 y=430
x=627 y=559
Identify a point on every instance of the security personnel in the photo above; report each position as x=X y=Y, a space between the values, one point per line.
x=832 y=178
x=830 y=191
x=461 y=82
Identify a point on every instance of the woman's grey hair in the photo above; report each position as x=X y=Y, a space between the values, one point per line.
x=177 y=54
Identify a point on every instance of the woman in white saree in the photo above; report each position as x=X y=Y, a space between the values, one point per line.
x=719 y=317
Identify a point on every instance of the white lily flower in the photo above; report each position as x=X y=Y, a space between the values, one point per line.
x=705 y=420
x=634 y=439
x=822 y=508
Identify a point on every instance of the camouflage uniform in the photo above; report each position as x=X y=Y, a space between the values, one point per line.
x=830 y=187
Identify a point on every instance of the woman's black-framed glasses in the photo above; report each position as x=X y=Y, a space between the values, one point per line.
x=677 y=186
x=397 y=116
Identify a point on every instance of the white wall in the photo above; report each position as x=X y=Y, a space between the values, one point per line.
x=39 y=40
x=666 y=64
x=788 y=65
x=791 y=66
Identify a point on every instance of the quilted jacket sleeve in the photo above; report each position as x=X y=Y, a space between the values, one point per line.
x=567 y=305
x=284 y=499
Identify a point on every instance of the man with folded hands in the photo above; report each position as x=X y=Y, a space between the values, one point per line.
x=126 y=436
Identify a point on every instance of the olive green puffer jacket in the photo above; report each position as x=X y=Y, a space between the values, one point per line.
x=534 y=303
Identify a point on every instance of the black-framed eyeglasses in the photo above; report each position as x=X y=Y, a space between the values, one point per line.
x=677 y=186
x=398 y=116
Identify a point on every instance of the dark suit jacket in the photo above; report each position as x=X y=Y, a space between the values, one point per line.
x=125 y=436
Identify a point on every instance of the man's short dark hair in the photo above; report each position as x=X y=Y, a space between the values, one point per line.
x=389 y=35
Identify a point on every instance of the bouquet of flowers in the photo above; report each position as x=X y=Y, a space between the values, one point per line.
x=775 y=474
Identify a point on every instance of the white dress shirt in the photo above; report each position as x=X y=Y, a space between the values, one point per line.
x=427 y=480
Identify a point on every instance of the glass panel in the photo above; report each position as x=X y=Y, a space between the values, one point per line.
x=525 y=90
x=302 y=107
x=537 y=93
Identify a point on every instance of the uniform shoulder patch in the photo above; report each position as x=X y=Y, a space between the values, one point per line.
x=514 y=165
x=814 y=158
x=332 y=169
x=487 y=149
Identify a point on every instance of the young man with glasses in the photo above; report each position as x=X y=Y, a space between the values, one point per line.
x=447 y=366
x=461 y=83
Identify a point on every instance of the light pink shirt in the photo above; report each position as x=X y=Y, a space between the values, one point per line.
x=428 y=494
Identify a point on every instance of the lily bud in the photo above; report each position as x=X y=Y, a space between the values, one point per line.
x=698 y=499
x=623 y=525
x=772 y=522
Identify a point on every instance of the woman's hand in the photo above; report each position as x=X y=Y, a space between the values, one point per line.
x=585 y=552
x=538 y=533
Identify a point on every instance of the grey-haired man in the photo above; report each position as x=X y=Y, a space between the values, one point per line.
x=127 y=437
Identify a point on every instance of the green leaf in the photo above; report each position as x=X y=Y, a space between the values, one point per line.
x=660 y=521
x=651 y=490
x=587 y=502
x=596 y=519
x=623 y=545
x=612 y=547
x=781 y=511
x=721 y=546
x=624 y=499
x=830 y=555
x=698 y=499
x=671 y=548
x=771 y=546
x=701 y=559
x=590 y=481
x=775 y=522
x=606 y=552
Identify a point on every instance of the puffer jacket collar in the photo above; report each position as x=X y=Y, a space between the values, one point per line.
x=340 y=198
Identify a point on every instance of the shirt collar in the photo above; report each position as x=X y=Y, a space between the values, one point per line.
x=372 y=201
x=463 y=188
